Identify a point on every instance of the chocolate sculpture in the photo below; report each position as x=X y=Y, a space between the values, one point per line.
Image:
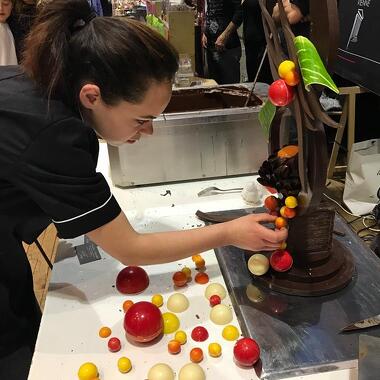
x=321 y=263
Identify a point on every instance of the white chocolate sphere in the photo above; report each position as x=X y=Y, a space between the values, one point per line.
x=177 y=303
x=191 y=371
x=221 y=314
x=215 y=289
x=258 y=264
x=161 y=371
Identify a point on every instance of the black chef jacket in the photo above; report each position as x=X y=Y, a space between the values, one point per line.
x=48 y=160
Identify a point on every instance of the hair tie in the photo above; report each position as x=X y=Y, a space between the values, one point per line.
x=90 y=17
x=80 y=23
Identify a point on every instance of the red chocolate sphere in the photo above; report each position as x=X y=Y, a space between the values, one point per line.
x=281 y=261
x=132 y=280
x=246 y=352
x=143 y=322
x=280 y=94
x=199 y=334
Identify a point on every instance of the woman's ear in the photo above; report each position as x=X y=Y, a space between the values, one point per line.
x=90 y=96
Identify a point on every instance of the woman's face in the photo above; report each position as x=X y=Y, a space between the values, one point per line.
x=5 y=10
x=127 y=122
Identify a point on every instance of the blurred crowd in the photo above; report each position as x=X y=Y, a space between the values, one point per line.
x=220 y=39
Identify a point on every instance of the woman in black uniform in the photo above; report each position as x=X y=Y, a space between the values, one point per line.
x=81 y=77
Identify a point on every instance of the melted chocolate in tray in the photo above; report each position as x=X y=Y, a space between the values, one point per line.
x=201 y=99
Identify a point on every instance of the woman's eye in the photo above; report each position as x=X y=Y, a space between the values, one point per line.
x=141 y=122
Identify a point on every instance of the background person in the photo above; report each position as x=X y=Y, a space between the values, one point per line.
x=221 y=40
x=7 y=44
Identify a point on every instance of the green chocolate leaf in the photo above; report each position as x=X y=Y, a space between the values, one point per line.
x=266 y=115
x=312 y=68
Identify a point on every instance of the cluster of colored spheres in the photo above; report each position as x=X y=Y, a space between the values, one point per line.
x=144 y=322
x=280 y=260
x=281 y=91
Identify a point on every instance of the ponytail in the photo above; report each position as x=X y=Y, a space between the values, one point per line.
x=67 y=47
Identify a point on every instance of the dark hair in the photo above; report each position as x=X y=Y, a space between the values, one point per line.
x=67 y=47
x=20 y=6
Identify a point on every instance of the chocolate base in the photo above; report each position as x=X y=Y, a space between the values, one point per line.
x=333 y=275
x=321 y=264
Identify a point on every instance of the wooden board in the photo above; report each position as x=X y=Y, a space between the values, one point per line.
x=40 y=269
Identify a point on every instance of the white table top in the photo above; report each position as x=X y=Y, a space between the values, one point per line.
x=82 y=298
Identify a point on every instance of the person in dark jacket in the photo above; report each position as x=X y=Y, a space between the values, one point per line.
x=23 y=14
x=254 y=42
x=221 y=40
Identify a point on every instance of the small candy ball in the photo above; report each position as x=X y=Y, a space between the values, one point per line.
x=287 y=212
x=171 y=323
x=246 y=352
x=292 y=78
x=230 y=332
x=214 y=350
x=271 y=203
x=291 y=202
x=174 y=347
x=215 y=300
x=187 y=272
x=161 y=371
x=201 y=278
x=180 y=336
x=217 y=289
x=258 y=264
x=199 y=334
x=280 y=94
x=124 y=365
x=196 y=355
x=88 y=371
x=105 y=332
x=126 y=305
x=179 y=279
x=200 y=264
x=177 y=303
x=283 y=245
x=285 y=67
x=196 y=258
x=280 y=222
x=221 y=314
x=281 y=261
x=191 y=371
x=157 y=300
x=114 y=344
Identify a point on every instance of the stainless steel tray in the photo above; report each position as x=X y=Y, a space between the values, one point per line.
x=300 y=335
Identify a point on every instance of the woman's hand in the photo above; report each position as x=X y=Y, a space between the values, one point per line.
x=248 y=233
x=204 y=41
x=220 y=43
x=293 y=13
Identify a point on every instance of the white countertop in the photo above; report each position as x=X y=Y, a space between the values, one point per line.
x=82 y=298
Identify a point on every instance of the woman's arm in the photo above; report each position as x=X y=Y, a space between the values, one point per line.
x=121 y=241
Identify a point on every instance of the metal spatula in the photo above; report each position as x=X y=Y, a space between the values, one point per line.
x=212 y=190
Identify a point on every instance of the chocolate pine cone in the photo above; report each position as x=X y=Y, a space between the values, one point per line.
x=281 y=174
